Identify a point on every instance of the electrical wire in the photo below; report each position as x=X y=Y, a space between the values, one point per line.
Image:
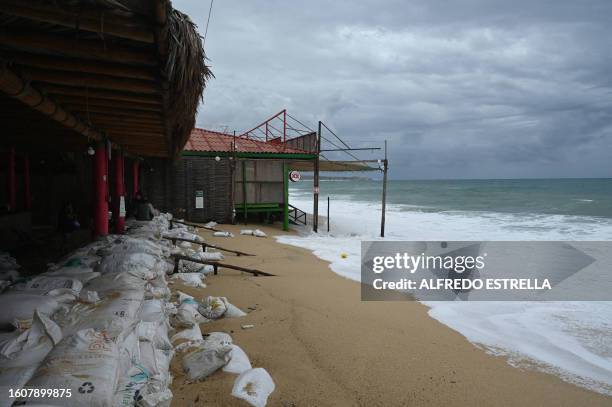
x=207 y=22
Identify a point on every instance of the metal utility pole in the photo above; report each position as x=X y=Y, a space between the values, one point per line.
x=328 y=214
x=315 y=200
x=384 y=194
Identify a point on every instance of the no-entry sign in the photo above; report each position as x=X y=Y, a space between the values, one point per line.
x=295 y=176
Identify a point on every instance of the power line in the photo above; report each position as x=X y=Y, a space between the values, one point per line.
x=207 y=22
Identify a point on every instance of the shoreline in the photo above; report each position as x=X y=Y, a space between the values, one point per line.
x=323 y=346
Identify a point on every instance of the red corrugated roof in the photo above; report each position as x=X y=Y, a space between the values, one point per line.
x=211 y=141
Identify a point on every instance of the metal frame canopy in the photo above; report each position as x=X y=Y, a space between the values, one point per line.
x=72 y=72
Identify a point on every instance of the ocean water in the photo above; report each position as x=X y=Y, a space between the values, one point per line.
x=570 y=339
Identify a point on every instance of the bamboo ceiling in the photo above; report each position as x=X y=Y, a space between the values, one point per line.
x=75 y=71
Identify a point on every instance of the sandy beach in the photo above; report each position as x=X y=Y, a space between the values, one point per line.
x=323 y=346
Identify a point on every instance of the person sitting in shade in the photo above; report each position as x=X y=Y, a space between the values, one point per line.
x=142 y=208
x=67 y=221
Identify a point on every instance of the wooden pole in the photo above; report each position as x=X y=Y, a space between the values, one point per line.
x=384 y=194
x=328 y=214
x=16 y=87
x=315 y=199
x=244 y=192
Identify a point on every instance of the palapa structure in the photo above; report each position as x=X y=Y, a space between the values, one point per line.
x=115 y=78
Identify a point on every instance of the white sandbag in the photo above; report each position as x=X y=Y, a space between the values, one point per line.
x=213 y=307
x=89 y=296
x=83 y=274
x=233 y=311
x=32 y=345
x=207 y=269
x=217 y=307
x=214 y=340
x=239 y=361
x=223 y=234
x=259 y=233
x=202 y=362
x=45 y=284
x=142 y=265
x=82 y=258
x=112 y=283
x=86 y=363
x=155 y=332
x=254 y=386
x=159 y=399
x=8 y=262
x=20 y=306
x=184 y=245
x=190 y=279
x=211 y=256
x=156 y=362
x=247 y=232
x=152 y=311
x=211 y=224
x=193 y=334
x=9 y=275
x=130 y=384
x=117 y=315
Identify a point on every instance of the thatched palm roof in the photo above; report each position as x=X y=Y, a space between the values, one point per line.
x=132 y=71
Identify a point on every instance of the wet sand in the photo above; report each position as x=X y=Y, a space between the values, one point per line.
x=323 y=346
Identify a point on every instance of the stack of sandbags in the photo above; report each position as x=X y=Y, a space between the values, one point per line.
x=95 y=323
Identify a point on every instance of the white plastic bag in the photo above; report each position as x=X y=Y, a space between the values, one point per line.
x=223 y=234
x=247 y=232
x=239 y=361
x=254 y=386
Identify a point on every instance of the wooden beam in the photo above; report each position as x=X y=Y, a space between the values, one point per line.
x=179 y=257
x=131 y=113
x=76 y=47
x=102 y=94
x=81 y=65
x=84 y=102
x=17 y=88
x=90 y=80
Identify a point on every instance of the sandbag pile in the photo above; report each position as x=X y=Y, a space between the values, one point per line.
x=96 y=323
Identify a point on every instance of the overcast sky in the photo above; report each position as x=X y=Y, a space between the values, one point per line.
x=460 y=89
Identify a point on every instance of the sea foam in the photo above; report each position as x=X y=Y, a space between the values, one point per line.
x=570 y=339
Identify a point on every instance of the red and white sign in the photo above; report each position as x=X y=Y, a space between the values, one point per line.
x=294 y=176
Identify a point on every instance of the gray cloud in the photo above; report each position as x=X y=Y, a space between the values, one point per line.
x=476 y=88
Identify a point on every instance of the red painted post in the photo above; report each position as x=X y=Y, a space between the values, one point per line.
x=284 y=125
x=135 y=176
x=12 y=185
x=100 y=191
x=26 y=183
x=119 y=194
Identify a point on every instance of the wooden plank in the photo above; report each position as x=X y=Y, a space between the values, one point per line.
x=65 y=18
x=102 y=94
x=75 y=101
x=90 y=80
x=70 y=46
x=82 y=65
